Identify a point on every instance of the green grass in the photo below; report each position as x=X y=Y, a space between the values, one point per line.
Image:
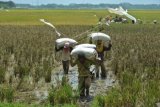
x=62 y=94
x=135 y=56
x=67 y=17
x=146 y=15
x=14 y=105
x=63 y=17
x=33 y=105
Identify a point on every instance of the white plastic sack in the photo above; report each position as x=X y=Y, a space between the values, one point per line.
x=60 y=42
x=89 y=53
x=86 y=46
x=100 y=36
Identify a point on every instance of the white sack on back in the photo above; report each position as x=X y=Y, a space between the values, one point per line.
x=89 y=53
x=86 y=46
x=100 y=36
x=60 y=42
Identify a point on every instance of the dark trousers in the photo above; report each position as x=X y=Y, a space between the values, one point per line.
x=65 y=66
x=103 y=70
x=84 y=85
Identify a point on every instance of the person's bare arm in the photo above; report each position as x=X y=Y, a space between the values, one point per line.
x=96 y=61
x=73 y=63
x=109 y=47
x=58 y=49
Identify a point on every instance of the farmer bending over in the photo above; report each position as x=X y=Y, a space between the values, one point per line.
x=84 y=78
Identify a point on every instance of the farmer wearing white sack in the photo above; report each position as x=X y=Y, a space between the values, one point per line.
x=65 y=56
x=84 y=77
x=100 y=48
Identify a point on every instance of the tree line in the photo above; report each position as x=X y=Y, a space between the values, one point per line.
x=91 y=6
x=11 y=4
x=8 y=4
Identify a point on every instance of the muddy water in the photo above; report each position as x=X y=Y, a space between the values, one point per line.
x=158 y=104
x=72 y=77
x=98 y=86
x=40 y=93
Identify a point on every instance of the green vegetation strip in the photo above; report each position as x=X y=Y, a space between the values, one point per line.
x=67 y=17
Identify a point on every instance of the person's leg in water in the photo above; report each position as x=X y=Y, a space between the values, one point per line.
x=87 y=86
x=92 y=76
x=97 y=71
x=81 y=87
x=65 y=66
x=65 y=80
x=103 y=71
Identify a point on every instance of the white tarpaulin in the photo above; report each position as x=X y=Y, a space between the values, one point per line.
x=121 y=11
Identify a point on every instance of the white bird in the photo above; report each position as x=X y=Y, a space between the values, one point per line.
x=51 y=25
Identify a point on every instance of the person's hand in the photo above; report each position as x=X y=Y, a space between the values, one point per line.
x=110 y=44
x=99 y=60
x=71 y=45
x=71 y=57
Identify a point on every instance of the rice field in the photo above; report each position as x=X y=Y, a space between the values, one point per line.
x=27 y=50
x=67 y=17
